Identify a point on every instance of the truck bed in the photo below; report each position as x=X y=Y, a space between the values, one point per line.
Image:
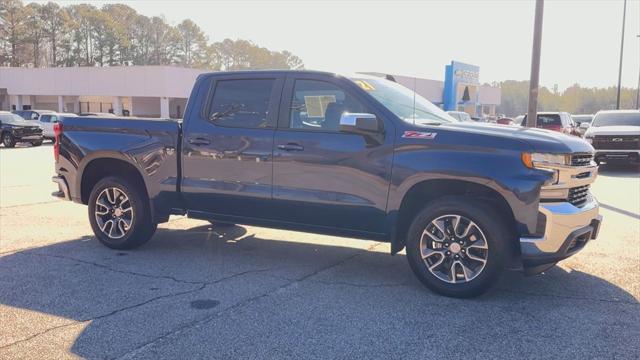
x=149 y=145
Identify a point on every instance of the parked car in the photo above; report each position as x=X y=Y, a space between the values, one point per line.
x=360 y=157
x=556 y=121
x=460 y=115
x=615 y=135
x=579 y=120
x=47 y=121
x=33 y=115
x=505 y=121
x=15 y=129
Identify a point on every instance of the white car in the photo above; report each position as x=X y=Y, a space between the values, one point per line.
x=615 y=134
x=47 y=120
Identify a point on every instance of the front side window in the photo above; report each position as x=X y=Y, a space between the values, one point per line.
x=45 y=118
x=318 y=105
x=241 y=103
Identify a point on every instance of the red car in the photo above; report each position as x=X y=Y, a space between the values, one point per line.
x=505 y=121
x=556 y=121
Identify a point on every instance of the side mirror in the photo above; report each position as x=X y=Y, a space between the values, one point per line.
x=361 y=123
x=585 y=125
x=366 y=125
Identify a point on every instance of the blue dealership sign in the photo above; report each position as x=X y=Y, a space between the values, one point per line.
x=461 y=82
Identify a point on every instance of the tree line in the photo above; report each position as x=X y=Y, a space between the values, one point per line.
x=574 y=99
x=50 y=35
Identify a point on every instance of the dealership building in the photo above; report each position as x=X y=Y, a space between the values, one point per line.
x=162 y=91
x=148 y=91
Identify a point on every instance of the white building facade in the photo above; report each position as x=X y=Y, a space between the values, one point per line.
x=146 y=91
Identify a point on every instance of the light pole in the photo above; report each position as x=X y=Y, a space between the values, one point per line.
x=532 y=113
x=638 y=90
x=624 y=16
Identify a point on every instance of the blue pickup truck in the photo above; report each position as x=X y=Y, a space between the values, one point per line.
x=355 y=156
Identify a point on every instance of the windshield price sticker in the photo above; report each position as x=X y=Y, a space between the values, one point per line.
x=365 y=85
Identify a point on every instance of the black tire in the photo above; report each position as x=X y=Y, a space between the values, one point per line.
x=8 y=140
x=222 y=224
x=491 y=226
x=141 y=227
x=36 y=143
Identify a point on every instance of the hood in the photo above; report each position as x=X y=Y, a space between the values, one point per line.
x=613 y=130
x=540 y=140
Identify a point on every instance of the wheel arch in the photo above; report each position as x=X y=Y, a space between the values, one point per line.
x=422 y=192
x=97 y=168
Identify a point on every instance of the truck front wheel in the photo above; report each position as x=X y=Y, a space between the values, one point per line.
x=457 y=246
x=119 y=214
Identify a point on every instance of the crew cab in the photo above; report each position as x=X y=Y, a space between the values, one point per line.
x=615 y=135
x=14 y=129
x=355 y=156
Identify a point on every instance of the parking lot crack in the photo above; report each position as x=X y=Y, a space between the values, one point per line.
x=202 y=286
x=109 y=268
x=186 y=327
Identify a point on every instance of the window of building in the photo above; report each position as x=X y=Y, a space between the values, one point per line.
x=318 y=105
x=241 y=103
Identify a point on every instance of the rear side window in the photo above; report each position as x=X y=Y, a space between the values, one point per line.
x=241 y=103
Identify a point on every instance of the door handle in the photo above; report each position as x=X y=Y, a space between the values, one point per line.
x=291 y=147
x=199 y=141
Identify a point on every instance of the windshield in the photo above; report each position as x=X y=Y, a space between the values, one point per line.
x=617 y=118
x=13 y=119
x=401 y=100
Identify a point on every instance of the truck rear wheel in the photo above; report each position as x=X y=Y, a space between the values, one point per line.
x=457 y=246
x=119 y=215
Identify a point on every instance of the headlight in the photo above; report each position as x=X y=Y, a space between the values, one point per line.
x=589 y=140
x=535 y=160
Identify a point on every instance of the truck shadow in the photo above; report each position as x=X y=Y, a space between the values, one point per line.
x=127 y=298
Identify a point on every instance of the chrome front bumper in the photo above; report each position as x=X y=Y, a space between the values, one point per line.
x=566 y=230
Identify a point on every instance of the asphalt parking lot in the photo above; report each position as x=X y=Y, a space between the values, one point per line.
x=195 y=291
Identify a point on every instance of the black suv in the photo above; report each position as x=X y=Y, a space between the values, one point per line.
x=15 y=129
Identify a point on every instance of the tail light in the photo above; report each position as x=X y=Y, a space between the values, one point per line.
x=57 y=132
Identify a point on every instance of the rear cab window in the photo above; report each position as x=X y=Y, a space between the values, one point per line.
x=242 y=103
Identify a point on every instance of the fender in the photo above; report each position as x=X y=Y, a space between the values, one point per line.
x=498 y=170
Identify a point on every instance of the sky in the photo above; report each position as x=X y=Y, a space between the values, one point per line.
x=580 y=41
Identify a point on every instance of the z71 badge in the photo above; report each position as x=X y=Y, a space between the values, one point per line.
x=419 y=135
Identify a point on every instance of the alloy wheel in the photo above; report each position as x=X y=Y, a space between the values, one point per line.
x=454 y=248
x=113 y=212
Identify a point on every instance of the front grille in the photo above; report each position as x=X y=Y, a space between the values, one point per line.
x=578 y=196
x=616 y=142
x=581 y=159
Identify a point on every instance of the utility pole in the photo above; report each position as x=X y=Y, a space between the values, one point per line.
x=638 y=90
x=624 y=15
x=532 y=113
